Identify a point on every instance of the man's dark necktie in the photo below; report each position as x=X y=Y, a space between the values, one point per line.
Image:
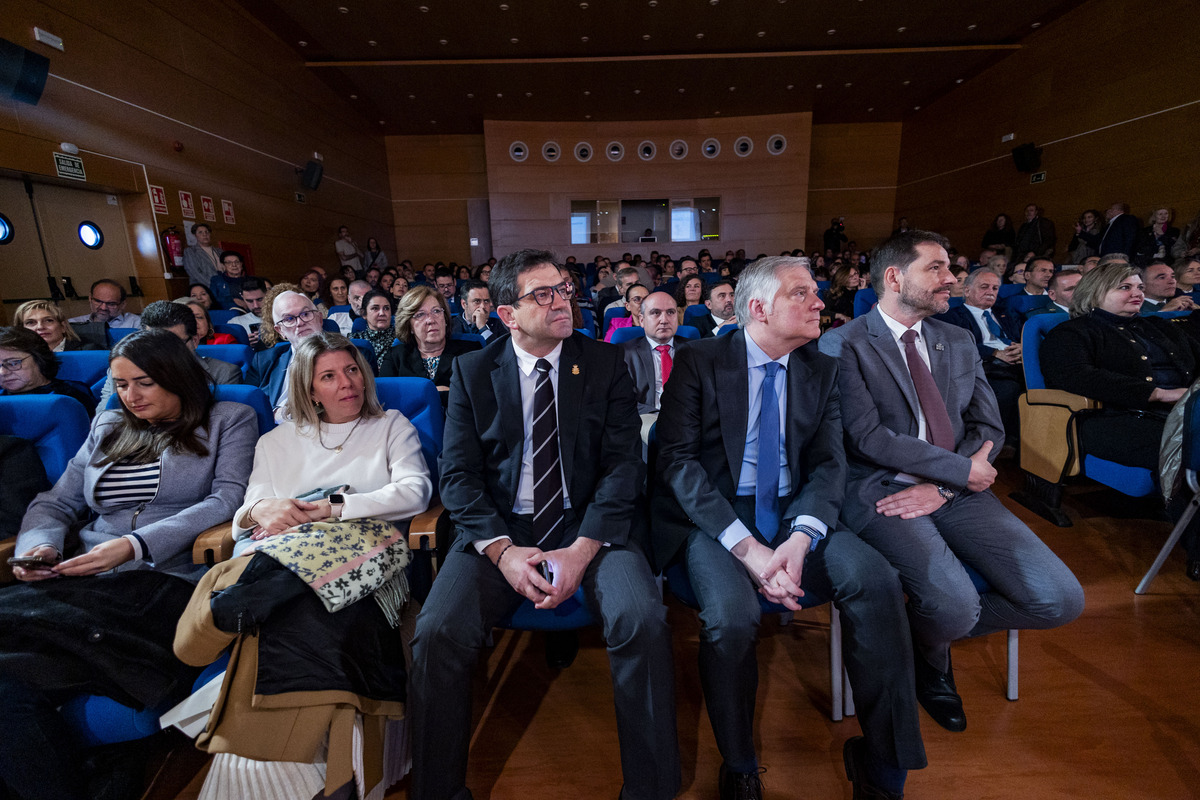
x=937 y=422
x=994 y=327
x=547 y=474
x=766 y=483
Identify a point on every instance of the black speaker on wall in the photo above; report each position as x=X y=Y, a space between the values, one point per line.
x=1027 y=157
x=311 y=177
x=22 y=73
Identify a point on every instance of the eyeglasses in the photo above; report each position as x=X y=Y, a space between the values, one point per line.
x=290 y=321
x=107 y=303
x=544 y=295
x=13 y=364
x=433 y=313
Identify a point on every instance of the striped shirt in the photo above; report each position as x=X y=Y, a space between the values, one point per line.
x=124 y=483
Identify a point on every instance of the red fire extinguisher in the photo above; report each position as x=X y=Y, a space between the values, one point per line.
x=173 y=246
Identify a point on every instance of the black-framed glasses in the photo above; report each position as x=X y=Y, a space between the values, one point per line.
x=290 y=321
x=14 y=364
x=107 y=303
x=544 y=295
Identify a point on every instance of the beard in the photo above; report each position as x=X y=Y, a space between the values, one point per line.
x=924 y=301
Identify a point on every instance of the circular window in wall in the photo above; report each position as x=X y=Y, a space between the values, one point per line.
x=518 y=151
x=583 y=151
x=776 y=144
x=679 y=149
x=647 y=151
x=91 y=235
x=6 y=230
x=551 y=151
x=711 y=148
x=744 y=146
x=615 y=151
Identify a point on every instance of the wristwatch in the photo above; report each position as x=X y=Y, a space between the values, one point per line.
x=812 y=533
x=336 y=501
x=946 y=493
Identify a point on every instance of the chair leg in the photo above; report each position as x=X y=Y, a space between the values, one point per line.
x=835 y=662
x=1172 y=540
x=1013 y=662
x=1044 y=499
x=848 y=693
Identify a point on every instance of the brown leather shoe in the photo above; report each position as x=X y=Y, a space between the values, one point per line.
x=740 y=785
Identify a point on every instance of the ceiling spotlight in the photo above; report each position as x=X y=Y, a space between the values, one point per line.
x=343 y=9
x=653 y=3
x=513 y=40
x=353 y=97
x=303 y=44
x=381 y=122
x=901 y=29
x=1036 y=25
x=916 y=108
x=699 y=35
x=761 y=34
x=499 y=94
x=716 y=113
x=831 y=31
x=960 y=80
x=906 y=83
x=791 y=86
x=587 y=116
x=372 y=42
x=423 y=9
x=470 y=95
x=443 y=41
x=529 y=94
x=433 y=122
x=583 y=6
x=504 y=6
x=733 y=88
x=645 y=37
x=713 y=2
x=820 y=86
x=412 y=97
x=583 y=38
x=972 y=27
x=637 y=91
x=587 y=93
x=872 y=108
x=848 y=85
x=682 y=90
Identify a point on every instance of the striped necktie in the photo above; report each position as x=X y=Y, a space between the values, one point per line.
x=547 y=472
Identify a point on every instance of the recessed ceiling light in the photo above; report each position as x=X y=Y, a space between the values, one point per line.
x=713 y=2
x=353 y=97
x=682 y=90
x=762 y=34
x=699 y=35
x=504 y=6
x=423 y=9
x=433 y=122
x=583 y=38
x=972 y=27
x=653 y=3
x=303 y=44
x=529 y=94
x=820 y=86
x=791 y=86
x=831 y=31
x=513 y=40
x=907 y=82
x=412 y=97
x=381 y=122
x=443 y=41
x=733 y=88
x=872 y=108
x=499 y=94
x=372 y=42
x=587 y=116
x=916 y=108
x=343 y=9
x=959 y=80
x=848 y=85
x=587 y=92
x=583 y=6
x=1036 y=25
x=901 y=29
x=645 y=37
x=637 y=91
x=717 y=113
x=470 y=95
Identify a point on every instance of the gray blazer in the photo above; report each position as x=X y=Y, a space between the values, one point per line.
x=640 y=360
x=194 y=493
x=879 y=409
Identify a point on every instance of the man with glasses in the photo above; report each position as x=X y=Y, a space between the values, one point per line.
x=541 y=471
x=295 y=317
x=107 y=299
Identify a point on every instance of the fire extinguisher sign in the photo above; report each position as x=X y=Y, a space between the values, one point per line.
x=206 y=208
x=187 y=204
x=158 y=199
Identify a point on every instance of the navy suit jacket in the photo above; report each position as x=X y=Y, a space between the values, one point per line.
x=599 y=438
x=1120 y=235
x=267 y=370
x=963 y=318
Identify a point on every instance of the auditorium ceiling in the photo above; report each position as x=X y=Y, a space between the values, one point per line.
x=443 y=66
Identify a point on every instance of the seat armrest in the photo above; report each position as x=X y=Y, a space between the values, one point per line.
x=8 y=549
x=422 y=531
x=214 y=545
x=1057 y=397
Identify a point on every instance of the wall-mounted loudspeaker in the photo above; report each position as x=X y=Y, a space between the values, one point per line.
x=311 y=177
x=1027 y=157
x=22 y=73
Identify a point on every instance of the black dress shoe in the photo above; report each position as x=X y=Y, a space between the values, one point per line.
x=854 y=758
x=561 y=649
x=939 y=697
x=1193 y=570
x=740 y=785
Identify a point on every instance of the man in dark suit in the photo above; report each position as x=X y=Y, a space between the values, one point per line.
x=651 y=357
x=1036 y=234
x=294 y=317
x=476 y=316
x=922 y=427
x=541 y=466
x=1120 y=232
x=718 y=297
x=759 y=409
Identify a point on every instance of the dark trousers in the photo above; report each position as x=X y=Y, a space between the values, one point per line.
x=876 y=644
x=40 y=758
x=470 y=596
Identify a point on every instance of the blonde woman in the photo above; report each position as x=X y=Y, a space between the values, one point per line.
x=48 y=321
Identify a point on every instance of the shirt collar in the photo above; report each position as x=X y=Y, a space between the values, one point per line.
x=755 y=357
x=897 y=328
x=527 y=361
x=653 y=344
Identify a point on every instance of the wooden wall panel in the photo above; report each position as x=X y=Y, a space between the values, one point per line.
x=853 y=174
x=242 y=104
x=763 y=197
x=1107 y=63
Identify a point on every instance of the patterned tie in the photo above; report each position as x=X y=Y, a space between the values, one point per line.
x=937 y=422
x=994 y=327
x=547 y=474
x=766 y=483
x=664 y=351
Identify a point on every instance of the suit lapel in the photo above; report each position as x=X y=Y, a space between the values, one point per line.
x=571 y=377
x=646 y=359
x=277 y=378
x=939 y=358
x=799 y=408
x=732 y=389
x=507 y=387
x=880 y=337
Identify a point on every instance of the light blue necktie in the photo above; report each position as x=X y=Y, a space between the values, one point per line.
x=766 y=484
x=995 y=328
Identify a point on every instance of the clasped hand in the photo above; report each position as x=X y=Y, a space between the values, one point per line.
x=776 y=572
x=520 y=567
x=276 y=515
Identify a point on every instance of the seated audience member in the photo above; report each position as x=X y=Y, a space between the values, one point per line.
x=845 y=283
x=998 y=341
x=1188 y=244
x=48 y=321
x=339 y=292
x=120 y=523
x=1120 y=232
x=649 y=358
x=349 y=274
x=1037 y=275
x=1059 y=291
x=378 y=311
x=624 y=276
x=688 y=292
x=1014 y=272
x=918 y=488
x=719 y=299
x=312 y=285
x=1157 y=239
x=204 y=326
x=227 y=284
x=27 y=366
x=483 y=272
x=1187 y=274
x=750 y=477
x=960 y=273
x=1089 y=264
x=24 y=478
x=634 y=297
x=354 y=294
x=426 y=349
x=476 y=316
x=294 y=318
x=399 y=287
x=1001 y=236
x=201 y=260
x=254 y=290
x=372 y=276
x=374 y=257
x=1161 y=289
x=386 y=280
x=445 y=283
x=200 y=293
x=107 y=299
x=179 y=320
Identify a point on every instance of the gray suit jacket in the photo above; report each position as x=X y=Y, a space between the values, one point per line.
x=194 y=493
x=639 y=358
x=879 y=409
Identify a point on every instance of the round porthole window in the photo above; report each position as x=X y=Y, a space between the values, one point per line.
x=91 y=235
x=711 y=148
x=551 y=151
x=615 y=151
x=583 y=151
x=744 y=146
x=647 y=150
x=776 y=144
x=679 y=149
x=6 y=230
x=518 y=151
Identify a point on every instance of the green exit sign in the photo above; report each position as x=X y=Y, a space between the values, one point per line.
x=1037 y=177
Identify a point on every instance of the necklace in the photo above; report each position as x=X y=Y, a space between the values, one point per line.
x=338 y=449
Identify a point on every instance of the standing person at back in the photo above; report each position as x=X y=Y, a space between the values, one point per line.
x=922 y=428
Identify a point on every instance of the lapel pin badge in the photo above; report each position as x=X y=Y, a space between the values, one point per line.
x=574 y=369
x=939 y=347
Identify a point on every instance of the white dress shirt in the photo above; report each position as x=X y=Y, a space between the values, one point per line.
x=989 y=339
x=656 y=359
